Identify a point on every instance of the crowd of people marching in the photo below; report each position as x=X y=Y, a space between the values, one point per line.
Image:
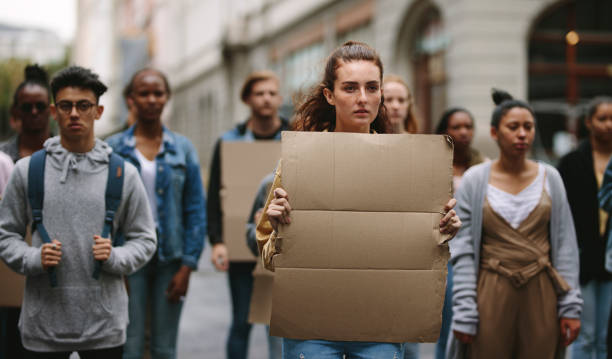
x=107 y=233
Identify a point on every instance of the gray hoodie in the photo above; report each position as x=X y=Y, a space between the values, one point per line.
x=81 y=313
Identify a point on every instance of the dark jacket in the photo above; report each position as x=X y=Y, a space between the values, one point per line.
x=260 y=202
x=578 y=173
x=213 y=206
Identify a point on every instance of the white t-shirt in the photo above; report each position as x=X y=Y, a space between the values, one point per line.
x=148 y=174
x=6 y=167
x=515 y=208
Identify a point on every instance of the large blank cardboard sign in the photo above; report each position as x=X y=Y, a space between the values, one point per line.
x=243 y=166
x=362 y=259
x=12 y=283
x=260 y=308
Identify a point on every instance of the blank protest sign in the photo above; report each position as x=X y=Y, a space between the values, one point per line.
x=361 y=260
x=243 y=167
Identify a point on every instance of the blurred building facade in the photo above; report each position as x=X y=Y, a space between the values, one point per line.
x=555 y=53
x=38 y=45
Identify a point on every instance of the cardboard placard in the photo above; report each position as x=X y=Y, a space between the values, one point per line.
x=243 y=166
x=260 y=308
x=361 y=259
x=12 y=283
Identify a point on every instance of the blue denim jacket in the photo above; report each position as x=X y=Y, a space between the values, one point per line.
x=180 y=197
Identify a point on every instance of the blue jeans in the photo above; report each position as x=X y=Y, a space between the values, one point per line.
x=591 y=342
x=411 y=351
x=275 y=346
x=240 y=277
x=241 y=285
x=151 y=282
x=447 y=315
x=324 y=349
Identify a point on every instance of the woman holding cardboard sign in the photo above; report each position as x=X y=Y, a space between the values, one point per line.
x=349 y=99
x=515 y=260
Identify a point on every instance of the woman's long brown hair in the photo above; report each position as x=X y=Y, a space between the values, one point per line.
x=316 y=114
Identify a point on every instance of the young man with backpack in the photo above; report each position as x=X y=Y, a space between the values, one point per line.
x=79 y=198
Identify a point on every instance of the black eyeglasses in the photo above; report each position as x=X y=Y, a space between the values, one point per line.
x=83 y=107
x=27 y=107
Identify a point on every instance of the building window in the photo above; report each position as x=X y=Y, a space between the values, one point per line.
x=428 y=51
x=299 y=70
x=303 y=66
x=362 y=33
x=570 y=62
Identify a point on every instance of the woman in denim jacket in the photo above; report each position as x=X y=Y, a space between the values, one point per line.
x=170 y=170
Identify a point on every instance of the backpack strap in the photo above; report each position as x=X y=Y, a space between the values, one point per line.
x=112 y=198
x=36 y=196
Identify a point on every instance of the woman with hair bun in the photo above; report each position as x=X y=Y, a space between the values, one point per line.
x=30 y=110
x=516 y=292
x=349 y=99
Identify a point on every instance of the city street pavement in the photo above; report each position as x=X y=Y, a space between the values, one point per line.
x=207 y=314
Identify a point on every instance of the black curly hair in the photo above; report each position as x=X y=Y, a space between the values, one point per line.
x=76 y=76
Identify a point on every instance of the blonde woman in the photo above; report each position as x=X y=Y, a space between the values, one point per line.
x=400 y=105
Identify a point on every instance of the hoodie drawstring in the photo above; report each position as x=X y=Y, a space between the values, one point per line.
x=69 y=163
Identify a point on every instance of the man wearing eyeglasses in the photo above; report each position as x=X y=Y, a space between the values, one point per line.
x=74 y=309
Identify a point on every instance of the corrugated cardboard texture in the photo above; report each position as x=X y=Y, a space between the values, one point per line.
x=383 y=173
x=360 y=260
x=261 y=297
x=243 y=166
x=12 y=283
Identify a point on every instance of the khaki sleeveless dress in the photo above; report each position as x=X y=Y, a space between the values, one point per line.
x=517 y=288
